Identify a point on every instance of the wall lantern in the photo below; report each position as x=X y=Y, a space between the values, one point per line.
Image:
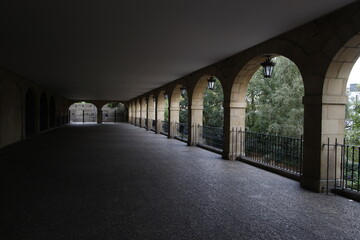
x=166 y=95
x=183 y=91
x=211 y=82
x=268 y=67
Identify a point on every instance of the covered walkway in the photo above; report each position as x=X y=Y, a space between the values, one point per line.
x=122 y=182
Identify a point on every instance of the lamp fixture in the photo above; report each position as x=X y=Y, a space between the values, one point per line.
x=166 y=95
x=211 y=82
x=268 y=67
x=183 y=91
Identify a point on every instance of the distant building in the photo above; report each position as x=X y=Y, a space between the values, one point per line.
x=354 y=87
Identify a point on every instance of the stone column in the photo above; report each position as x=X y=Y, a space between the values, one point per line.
x=99 y=116
x=195 y=120
x=150 y=112
x=234 y=121
x=173 y=119
x=323 y=119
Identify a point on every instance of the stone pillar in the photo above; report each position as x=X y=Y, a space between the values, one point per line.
x=323 y=119
x=234 y=121
x=150 y=112
x=159 y=116
x=142 y=113
x=195 y=120
x=99 y=116
x=174 y=112
x=130 y=114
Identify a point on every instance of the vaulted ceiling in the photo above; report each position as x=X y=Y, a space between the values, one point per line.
x=113 y=49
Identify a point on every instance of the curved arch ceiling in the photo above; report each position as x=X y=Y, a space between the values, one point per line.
x=121 y=49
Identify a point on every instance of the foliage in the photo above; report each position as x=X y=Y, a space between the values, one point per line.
x=352 y=122
x=166 y=109
x=184 y=108
x=274 y=105
x=213 y=115
x=113 y=104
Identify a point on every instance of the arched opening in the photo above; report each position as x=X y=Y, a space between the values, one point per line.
x=113 y=112
x=83 y=112
x=208 y=114
x=340 y=120
x=179 y=113
x=44 y=112
x=52 y=112
x=266 y=115
x=275 y=117
x=30 y=117
x=10 y=111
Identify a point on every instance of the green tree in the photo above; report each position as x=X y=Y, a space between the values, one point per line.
x=166 y=110
x=274 y=105
x=113 y=104
x=352 y=122
x=184 y=108
x=213 y=115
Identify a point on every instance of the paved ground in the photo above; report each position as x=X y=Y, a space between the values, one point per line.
x=123 y=182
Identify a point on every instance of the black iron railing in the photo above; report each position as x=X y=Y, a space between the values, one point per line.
x=281 y=152
x=343 y=167
x=165 y=127
x=153 y=125
x=181 y=131
x=211 y=136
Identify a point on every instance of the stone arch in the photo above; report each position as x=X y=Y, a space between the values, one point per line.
x=176 y=126
x=196 y=104
x=81 y=112
x=44 y=112
x=113 y=112
x=334 y=96
x=10 y=111
x=52 y=112
x=30 y=113
x=327 y=109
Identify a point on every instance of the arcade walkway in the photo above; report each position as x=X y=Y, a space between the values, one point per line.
x=122 y=182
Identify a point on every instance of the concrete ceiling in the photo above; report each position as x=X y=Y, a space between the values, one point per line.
x=113 y=49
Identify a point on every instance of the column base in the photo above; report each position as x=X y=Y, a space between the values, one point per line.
x=319 y=186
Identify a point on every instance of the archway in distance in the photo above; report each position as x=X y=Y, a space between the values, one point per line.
x=83 y=112
x=113 y=112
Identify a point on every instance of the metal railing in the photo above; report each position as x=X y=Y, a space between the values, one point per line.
x=211 y=136
x=181 y=131
x=280 y=152
x=153 y=125
x=165 y=127
x=137 y=121
x=343 y=160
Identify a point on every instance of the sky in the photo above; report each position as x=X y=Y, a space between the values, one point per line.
x=354 y=74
